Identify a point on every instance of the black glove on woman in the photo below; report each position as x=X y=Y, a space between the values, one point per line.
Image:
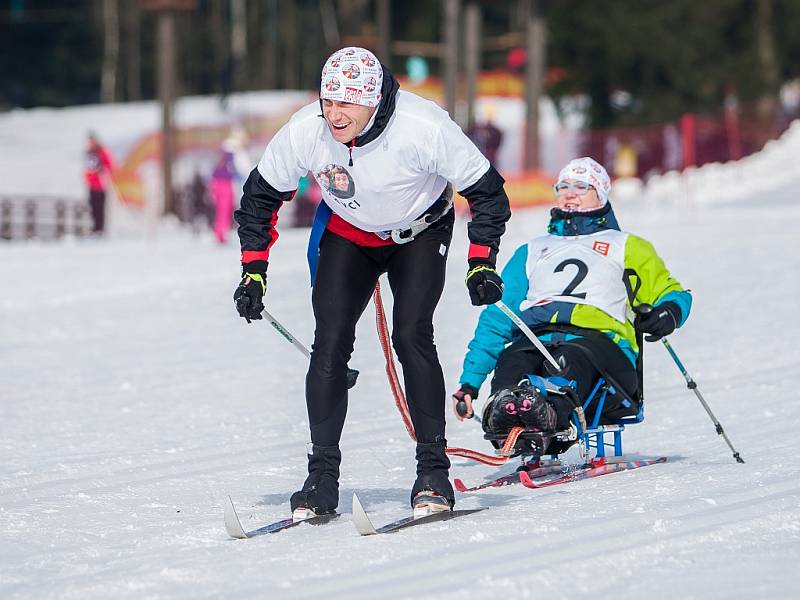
x=660 y=321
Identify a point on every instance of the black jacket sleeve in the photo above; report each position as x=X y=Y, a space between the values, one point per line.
x=257 y=217
x=488 y=204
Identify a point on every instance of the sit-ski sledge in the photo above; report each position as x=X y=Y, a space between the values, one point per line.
x=599 y=438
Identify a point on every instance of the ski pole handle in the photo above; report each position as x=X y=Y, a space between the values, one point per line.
x=241 y=306
x=461 y=408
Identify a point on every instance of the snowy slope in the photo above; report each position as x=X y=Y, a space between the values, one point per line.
x=133 y=399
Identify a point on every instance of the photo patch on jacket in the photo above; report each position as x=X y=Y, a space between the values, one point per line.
x=336 y=181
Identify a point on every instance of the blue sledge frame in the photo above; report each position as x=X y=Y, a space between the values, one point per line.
x=594 y=435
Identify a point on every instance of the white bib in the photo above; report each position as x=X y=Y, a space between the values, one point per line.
x=581 y=270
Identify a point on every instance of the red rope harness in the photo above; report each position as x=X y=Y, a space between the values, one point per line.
x=402 y=405
x=391 y=372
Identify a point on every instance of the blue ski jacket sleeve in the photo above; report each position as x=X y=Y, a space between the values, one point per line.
x=495 y=330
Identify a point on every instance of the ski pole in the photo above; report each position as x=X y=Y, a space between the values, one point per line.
x=528 y=333
x=643 y=309
x=352 y=374
x=690 y=383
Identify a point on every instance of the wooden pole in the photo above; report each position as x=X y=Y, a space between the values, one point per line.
x=238 y=43
x=384 y=31
x=472 y=27
x=536 y=40
x=166 y=94
x=110 y=50
x=133 y=45
x=289 y=46
x=452 y=10
x=219 y=44
x=271 y=75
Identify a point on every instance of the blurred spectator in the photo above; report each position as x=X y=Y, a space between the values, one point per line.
x=226 y=179
x=790 y=104
x=516 y=60
x=673 y=148
x=98 y=163
x=610 y=150
x=626 y=161
x=200 y=208
x=486 y=136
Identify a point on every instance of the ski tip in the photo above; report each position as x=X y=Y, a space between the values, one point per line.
x=360 y=518
x=525 y=479
x=357 y=507
x=232 y=524
x=460 y=486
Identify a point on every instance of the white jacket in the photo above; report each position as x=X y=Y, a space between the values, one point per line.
x=393 y=179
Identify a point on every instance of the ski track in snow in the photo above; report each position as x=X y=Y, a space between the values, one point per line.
x=133 y=400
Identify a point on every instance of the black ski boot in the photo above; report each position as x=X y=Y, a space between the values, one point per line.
x=535 y=411
x=320 y=493
x=432 y=491
x=501 y=413
x=519 y=405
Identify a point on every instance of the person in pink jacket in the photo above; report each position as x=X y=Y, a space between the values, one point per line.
x=98 y=162
x=225 y=178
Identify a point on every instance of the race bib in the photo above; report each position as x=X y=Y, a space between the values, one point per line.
x=587 y=270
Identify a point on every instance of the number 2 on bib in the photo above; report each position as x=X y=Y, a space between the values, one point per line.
x=583 y=270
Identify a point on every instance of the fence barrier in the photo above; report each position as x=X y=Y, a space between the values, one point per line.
x=43 y=218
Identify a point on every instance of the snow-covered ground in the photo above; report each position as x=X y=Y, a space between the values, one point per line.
x=133 y=400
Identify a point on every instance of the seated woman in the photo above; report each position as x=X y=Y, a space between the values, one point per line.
x=575 y=287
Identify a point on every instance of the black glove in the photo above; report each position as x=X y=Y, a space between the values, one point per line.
x=462 y=409
x=468 y=390
x=248 y=295
x=660 y=321
x=484 y=284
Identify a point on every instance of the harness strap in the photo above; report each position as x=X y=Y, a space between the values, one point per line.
x=503 y=454
x=435 y=212
x=391 y=372
x=402 y=404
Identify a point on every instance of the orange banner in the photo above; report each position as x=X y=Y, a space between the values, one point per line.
x=532 y=188
x=128 y=180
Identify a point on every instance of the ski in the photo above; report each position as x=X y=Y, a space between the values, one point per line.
x=510 y=479
x=364 y=525
x=234 y=526
x=589 y=470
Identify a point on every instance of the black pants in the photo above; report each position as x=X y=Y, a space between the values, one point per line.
x=97 y=204
x=345 y=280
x=586 y=359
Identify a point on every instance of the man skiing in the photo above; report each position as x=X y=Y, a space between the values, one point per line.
x=397 y=158
x=573 y=287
